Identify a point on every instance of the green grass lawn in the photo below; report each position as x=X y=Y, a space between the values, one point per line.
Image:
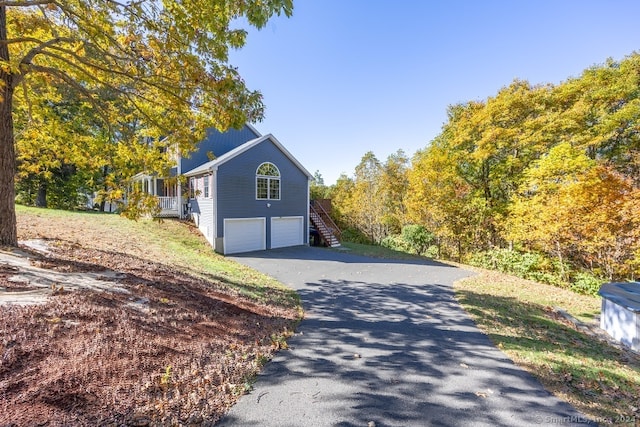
x=518 y=315
x=171 y=242
x=377 y=251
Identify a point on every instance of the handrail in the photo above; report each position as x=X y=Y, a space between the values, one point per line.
x=168 y=203
x=324 y=216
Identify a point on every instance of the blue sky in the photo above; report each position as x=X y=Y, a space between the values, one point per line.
x=343 y=77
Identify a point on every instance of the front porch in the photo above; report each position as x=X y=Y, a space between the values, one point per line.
x=166 y=191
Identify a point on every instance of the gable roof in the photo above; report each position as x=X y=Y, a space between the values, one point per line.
x=253 y=129
x=220 y=142
x=248 y=125
x=215 y=163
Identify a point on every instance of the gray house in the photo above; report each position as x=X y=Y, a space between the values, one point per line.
x=253 y=195
x=244 y=191
x=170 y=192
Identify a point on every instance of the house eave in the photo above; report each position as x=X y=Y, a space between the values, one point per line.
x=201 y=171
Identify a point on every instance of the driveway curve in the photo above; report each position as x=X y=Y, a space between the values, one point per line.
x=385 y=343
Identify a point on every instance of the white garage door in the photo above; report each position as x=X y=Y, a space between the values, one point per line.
x=287 y=231
x=244 y=235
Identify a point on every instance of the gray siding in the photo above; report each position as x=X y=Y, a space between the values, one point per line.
x=206 y=218
x=217 y=143
x=203 y=216
x=236 y=188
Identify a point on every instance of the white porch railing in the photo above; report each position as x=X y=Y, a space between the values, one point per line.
x=168 y=203
x=168 y=206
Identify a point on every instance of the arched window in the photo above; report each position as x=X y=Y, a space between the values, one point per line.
x=267 y=182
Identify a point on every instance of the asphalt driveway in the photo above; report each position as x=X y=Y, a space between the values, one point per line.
x=384 y=343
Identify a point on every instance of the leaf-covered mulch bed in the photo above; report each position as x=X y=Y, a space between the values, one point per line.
x=172 y=350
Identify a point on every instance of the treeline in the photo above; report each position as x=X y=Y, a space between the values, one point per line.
x=539 y=180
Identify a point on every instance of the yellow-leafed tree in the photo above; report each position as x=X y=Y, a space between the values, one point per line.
x=162 y=65
x=576 y=209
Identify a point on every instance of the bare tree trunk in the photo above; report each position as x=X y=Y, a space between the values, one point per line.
x=41 y=197
x=8 y=230
x=563 y=273
x=105 y=172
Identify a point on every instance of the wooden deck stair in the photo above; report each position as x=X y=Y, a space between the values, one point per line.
x=327 y=229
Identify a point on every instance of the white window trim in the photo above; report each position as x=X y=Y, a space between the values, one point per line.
x=196 y=184
x=269 y=178
x=192 y=187
x=206 y=187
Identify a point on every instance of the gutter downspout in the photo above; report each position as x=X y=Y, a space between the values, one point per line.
x=214 y=201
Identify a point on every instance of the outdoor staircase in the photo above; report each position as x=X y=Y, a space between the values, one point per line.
x=328 y=230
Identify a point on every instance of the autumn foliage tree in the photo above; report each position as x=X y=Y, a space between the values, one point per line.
x=552 y=169
x=394 y=183
x=364 y=208
x=60 y=146
x=372 y=201
x=578 y=210
x=163 y=65
x=443 y=201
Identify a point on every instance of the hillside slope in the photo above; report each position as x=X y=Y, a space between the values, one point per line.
x=177 y=339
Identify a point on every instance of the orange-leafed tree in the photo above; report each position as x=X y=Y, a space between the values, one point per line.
x=578 y=210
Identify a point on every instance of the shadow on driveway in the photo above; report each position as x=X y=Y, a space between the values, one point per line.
x=385 y=342
x=326 y=254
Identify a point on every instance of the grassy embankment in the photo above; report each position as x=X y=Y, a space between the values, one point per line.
x=171 y=242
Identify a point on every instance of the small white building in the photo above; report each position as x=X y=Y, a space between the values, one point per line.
x=620 y=316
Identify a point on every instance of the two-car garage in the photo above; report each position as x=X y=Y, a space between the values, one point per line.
x=256 y=194
x=250 y=234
